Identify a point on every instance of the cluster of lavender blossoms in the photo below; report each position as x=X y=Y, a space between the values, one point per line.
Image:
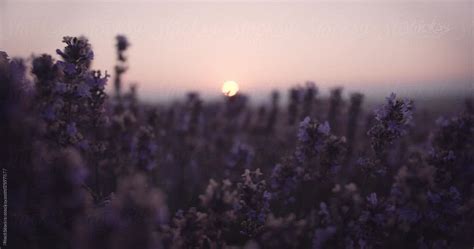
x=90 y=171
x=392 y=121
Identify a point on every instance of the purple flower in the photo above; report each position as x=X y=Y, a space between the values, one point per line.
x=372 y=199
x=408 y=214
x=61 y=87
x=321 y=235
x=49 y=113
x=44 y=69
x=84 y=144
x=71 y=129
x=241 y=155
x=392 y=122
x=324 y=128
x=311 y=136
x=94 y=79
x=303 y=135
x=83 y=90
x=433 y=197
x=454 y=193
x=122 y=42
x=68 y=68
x=78 y=52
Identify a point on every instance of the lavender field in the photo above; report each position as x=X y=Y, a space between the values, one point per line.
x=90 y=169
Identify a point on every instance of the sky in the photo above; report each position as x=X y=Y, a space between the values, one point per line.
x=376 y=47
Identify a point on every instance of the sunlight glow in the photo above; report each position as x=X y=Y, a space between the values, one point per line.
x=230 y=88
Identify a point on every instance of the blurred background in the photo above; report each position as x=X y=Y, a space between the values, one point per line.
x=417 y=49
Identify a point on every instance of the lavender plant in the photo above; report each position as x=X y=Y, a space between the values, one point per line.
x=88 y=171
x=392 y=122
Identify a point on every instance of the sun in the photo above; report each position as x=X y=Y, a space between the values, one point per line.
x=230 y=88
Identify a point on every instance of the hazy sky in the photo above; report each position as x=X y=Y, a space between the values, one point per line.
x=404 y=46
